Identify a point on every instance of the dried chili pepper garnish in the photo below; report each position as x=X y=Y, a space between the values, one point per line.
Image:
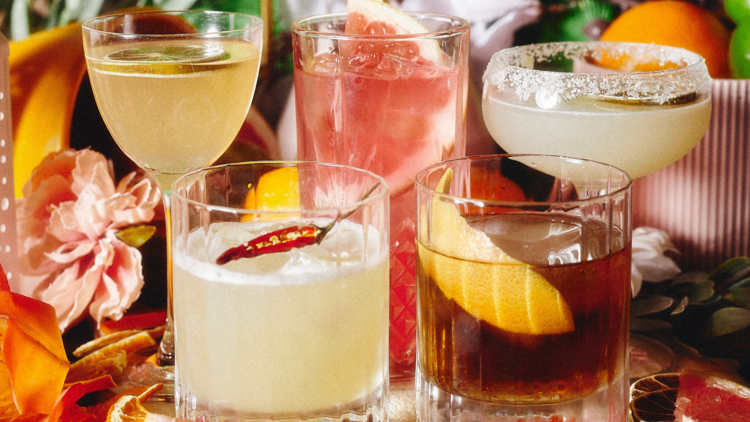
x=285 y=239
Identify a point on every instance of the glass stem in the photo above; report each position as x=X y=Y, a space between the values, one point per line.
x=165 y=355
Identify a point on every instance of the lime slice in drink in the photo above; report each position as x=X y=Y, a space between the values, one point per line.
x=485 y=281
x=649 y=100
x=164 y=60
x=174 y=54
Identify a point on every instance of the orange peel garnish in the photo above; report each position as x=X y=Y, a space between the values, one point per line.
x=101 y=342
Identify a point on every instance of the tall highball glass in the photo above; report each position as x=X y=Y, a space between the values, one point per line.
x=391 y=104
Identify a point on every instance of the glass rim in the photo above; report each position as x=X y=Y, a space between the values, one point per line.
x=297 y=29
x=383 y=191
x=504 y=56
x=421 y=175
x=256 y=22
x=505 y=69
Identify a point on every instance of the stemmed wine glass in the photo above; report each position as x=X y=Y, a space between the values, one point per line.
x=639 y=107
x=174 y=88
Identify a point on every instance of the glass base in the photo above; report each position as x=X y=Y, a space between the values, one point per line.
x=648 y=356
x=148 y=374
x=437 y=405
x=372 y=408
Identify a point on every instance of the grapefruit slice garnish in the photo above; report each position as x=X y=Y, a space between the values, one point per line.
x=374 y=17
x=690 y=396
x=484 y=280
x=711 y=399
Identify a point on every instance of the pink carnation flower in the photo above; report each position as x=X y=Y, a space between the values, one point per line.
x=67 y=220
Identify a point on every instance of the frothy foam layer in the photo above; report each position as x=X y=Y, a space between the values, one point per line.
x=340 y=253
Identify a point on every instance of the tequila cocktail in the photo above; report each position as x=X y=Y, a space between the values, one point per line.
x=524 y=287
x=638 y=107
x=298 y=332
x=392 y=103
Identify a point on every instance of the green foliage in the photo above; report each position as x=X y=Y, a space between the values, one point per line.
x=709 y=312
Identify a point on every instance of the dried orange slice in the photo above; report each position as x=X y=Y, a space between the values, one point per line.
x=102 y=341
x=111 y=359
x=652 y=398
x=129 y=409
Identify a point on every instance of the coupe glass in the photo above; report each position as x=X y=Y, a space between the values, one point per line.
x=639 y=107
x=174 y=89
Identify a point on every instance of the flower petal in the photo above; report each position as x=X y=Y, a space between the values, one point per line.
x=121 y=284
x=37 y=375
x=33 y=352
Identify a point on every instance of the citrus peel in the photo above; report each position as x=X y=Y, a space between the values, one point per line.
x=485 y=281
x=129 y=409
x=377 y=18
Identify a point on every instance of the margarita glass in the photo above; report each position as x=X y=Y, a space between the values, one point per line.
x=173 y=89
x=269 y=332
x=639 y=107
x=391 y=104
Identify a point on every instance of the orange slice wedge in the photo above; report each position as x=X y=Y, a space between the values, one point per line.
x=484 y=280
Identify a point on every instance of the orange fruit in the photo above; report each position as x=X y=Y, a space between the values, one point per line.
x=277 y=190
x=675 y=23
x=485 y=281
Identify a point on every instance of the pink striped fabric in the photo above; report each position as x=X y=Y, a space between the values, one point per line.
x=703 y=200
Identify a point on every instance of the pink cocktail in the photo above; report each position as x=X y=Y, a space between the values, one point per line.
x=391 y=104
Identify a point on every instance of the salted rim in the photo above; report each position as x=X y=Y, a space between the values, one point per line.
x=512 y=68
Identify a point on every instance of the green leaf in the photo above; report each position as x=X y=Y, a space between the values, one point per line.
x=701 y=291
x=690 y=278
x=731 y=271
x=641 y=324
x=136 y=236
x=729 y=320
x=680 y=308
x=740 y=297
x=650 y=305
x=745 y=282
